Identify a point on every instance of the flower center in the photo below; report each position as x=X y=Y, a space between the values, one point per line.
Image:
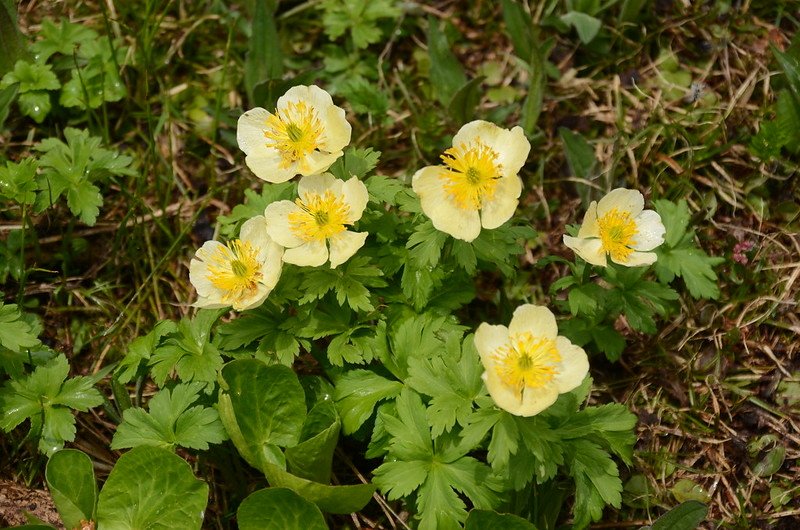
x=234 y=270
x=471 y=174
x=295 y=131
x=527 y=362
x=320 y=216
x=616 y=233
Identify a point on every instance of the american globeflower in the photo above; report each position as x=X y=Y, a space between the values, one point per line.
x=620 y=228
x=304 y=136
x=478 y=186
x=240 y=273
x=313 y=227
x=527 y=363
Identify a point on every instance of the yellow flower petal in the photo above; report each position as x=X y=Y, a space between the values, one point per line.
x=528 y=365
x=240 y=273
x=344 y=245
x=477 y=186
x=618 y=228
x=304 y=135
x=318 y=219
x=446 y=216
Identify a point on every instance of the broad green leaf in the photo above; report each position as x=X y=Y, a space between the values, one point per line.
x=278 y=509
x=519 y=27
x=7 y=96
x=70 y=479
x=151 y=488
x=261 y=407
x=688 y=490
x=332 y=499
x=312 y=457
x=264 y=59
x=356 y=394
x=580 y=155
x=12 y=43
x=490 y=520
x=587 y=26
x=447 y=75
x=685 y=516
x=462 y=106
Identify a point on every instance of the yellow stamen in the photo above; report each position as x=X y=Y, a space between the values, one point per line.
x=295 y=131
x=234 y=270
x=320 y=216
x=617 y=230
x=471 y=174
x=527 y=362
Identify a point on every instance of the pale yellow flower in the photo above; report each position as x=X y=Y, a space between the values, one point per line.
x=304 y=137
x=620 y=228
x=478 y=186
x=527 y=363
x=240 y=273
x=313 y=228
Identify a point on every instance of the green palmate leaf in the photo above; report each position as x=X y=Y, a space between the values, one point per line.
x=679 y=256
x=264 y=59
x=359 y=17
x=356 y=394
x=596 y=478
x=332 y=499
x=254 y=204
x=141 y=348
x=452 y=380
x=66 y=39
x=435 y=472
x=151 y=487
x=356 y=162
x=262 y=407
x=46 y=397
x=491 y=520
x=417 y=335
x=312 y=457
x=72 y=167
x=500 y=247
x=189 y=351
x=96 y=80
x=70 y=479
x=610 y=425
x=383 y=189
x=447 y=75
x=18 y=181
x=31 y=77
x=16 y=333
x=365 y=97
x=425 y=245
x=171 y=421
x=278 y=509
x=350 y=283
